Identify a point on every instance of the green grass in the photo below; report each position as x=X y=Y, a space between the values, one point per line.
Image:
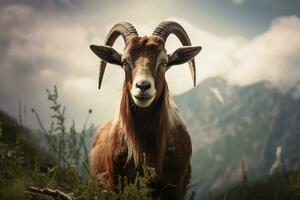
x=19 y=171
x=62 y=166
x=281 y=186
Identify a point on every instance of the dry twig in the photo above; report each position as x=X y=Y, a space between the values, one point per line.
x=56 y=194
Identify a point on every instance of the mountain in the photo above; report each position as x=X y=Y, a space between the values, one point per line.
x=230 y=124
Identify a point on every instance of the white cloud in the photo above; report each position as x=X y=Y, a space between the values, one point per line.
x=273 y=56
x=45 y=52
x=41 y=51
x=216 y=58
x=237 y=2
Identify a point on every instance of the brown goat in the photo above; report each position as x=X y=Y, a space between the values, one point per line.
x=148 y=122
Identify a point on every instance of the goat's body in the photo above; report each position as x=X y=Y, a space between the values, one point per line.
x=148 y=122
x=158 y=132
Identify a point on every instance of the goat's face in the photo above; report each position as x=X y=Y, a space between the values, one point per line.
x=145 y=59
x=145 y=62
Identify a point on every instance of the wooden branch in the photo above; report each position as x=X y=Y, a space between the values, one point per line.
x=56 y=194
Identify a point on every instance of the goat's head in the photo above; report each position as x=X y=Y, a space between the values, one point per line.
x=145 y=59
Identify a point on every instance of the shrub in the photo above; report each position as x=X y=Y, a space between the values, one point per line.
x=25 y=174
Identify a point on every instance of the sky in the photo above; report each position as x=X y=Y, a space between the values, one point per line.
x=46 y=43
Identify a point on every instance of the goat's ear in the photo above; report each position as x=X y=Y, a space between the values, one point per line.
x=107 y=54
x=183 y=55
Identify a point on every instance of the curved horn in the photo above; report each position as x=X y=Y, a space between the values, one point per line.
x=124 y=29
x=164 y=29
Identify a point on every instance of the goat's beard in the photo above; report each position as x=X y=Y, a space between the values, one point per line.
x=147 y=129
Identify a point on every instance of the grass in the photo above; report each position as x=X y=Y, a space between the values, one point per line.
x=280 y=186
x=61 y=168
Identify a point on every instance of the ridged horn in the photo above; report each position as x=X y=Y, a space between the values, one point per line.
x=124 y=29
x=164 y=29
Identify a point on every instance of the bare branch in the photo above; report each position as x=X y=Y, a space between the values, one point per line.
x=56 y=194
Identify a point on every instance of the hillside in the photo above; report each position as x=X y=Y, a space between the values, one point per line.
x=230 y=124
x=52 y=164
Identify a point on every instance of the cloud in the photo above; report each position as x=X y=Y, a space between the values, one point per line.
x=38 y=51
x=216 y=58
x=273 y=56
x=60 y=5
x=237 y=2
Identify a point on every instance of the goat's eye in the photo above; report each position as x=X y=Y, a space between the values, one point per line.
x=163 y=64
x=126 y=64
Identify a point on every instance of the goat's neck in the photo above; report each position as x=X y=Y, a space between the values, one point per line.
x=146 y=129
x=152 y=120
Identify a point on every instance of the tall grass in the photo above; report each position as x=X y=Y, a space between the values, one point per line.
x=62 y=171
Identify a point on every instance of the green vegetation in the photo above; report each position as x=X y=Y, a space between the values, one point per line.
x=282 y=186
x=61 y=170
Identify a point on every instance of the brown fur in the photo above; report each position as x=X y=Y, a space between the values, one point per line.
x=119 y=145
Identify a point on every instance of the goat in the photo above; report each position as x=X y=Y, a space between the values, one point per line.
x=148 y=121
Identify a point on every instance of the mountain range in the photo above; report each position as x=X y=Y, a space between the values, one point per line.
x=231 y=124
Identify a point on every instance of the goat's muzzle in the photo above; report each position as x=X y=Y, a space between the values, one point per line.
x=143 y=90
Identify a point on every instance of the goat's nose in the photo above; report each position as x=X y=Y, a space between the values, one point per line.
x=143 y=85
